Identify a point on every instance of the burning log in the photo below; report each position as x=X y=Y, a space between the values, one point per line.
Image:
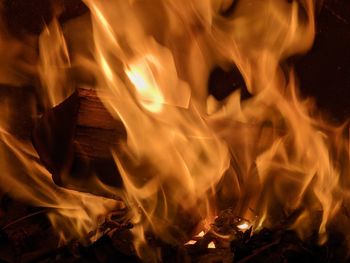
x=276 y=244
x=97 y=130
x=88 y=137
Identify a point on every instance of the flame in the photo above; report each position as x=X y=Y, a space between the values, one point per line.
x=187 y=155
x=172 y=177
x=54 y=64
x=143 y=80
x=243 y=226
x=179 y=159
x=73 y=213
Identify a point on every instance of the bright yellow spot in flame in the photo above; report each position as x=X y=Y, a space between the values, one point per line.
x=243 y=226
x=141 y=76
x=211 y=245
x=138 y=79
x=191 y=242
x=200 y=234
x=106 y=68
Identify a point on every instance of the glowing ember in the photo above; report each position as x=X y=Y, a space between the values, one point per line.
x=243 y=226
x=191 y=242
x=200 y=234
x=211 y=245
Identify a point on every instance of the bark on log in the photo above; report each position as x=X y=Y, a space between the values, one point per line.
x=74 y=139
x=97 y=131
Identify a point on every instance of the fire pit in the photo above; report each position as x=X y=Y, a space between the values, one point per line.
x=162 y=131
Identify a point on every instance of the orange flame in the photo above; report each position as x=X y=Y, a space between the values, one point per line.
x=179 y=159
x=75 y=214
x=53 y=66
x=187 y=155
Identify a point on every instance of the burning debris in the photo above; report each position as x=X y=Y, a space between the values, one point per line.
x=275 y=245
x=119 y=151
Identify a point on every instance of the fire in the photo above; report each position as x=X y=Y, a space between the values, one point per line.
x=141 y=77
x=243 y=226
x=54 y=64
x=291 y=153
x=75 y=214
x=187 y=155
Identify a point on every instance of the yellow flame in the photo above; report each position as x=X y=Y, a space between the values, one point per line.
x=179 y=159
x=187 y=155
x=178 y=171
x=243 y=226
x=141 y=77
